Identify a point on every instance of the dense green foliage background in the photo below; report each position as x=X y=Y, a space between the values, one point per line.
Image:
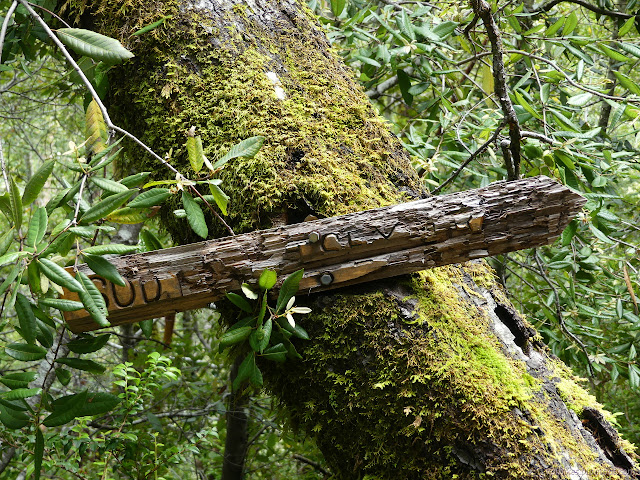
x=159 y=413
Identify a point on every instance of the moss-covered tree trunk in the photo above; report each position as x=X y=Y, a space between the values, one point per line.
x=428 y=377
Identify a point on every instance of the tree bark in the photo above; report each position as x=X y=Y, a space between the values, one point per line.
x=429 y=376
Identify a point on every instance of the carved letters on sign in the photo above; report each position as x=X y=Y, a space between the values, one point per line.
x=339 y=251
x=137 y=292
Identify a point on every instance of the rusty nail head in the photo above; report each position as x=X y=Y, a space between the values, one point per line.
x=326 y=279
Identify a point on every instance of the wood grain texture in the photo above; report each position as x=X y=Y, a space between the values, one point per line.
x=342 y=251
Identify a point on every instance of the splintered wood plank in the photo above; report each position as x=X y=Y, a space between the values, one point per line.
x=339 y=251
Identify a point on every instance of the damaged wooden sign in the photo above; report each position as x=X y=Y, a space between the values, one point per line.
x=339 y=251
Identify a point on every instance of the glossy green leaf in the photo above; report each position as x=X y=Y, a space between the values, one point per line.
x=149 y=241
x=221 y=198
x=240 y=302
x=38 y=454
x=62 y=304
x=20 y=393
x=16 y=204
x=59 y=275
x=26 y=318
x=570 y=24
x=246 y=148
x=233 y=337
x=195 y=152
x=18 y=379
x=288 y=289
x=110 y=249
x=627 y=83
x=267 y=279
x=25 y=352
x=103 y=267
x=277 y=353
x=63 y=375
x=150 y=198
x=195 y=217
x=105 y=207
x=8 y=258
x=88 y=344
x=93 y=45
x=404 y=82
x=108 y=185
x=6 y=240
x=82 y=364
x=13 y=419
x=37 y=226
x=34 y=186
x=151 y=26
x=66 y=409
x=136 y=179
x=93 y=300
x=337 y=6
x=98 y=403
x=569 y=232
x=147 y=327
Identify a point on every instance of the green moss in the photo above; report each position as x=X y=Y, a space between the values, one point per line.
x=327 y=152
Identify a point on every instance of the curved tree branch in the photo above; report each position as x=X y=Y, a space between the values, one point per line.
x=601 y=11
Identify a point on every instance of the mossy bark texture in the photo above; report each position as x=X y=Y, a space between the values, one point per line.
x=428 y=377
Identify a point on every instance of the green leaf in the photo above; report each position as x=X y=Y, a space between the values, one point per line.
x=12 y=418
x=615 y=55
x=239 y=302
x=147 y=327
x=88 y=344
x=579 y=100
x=150 y=198
x=103 y=267
x=59 y=275
x=248 y=370
x=337 y=6
x=221 y=198
x=11 y=257
x=62 y=304
x=404 y=23
x=109 y=185
x=66 y=409
x=267 y=279
x=627 y=83
x=63 y=375
x=233 y=337
x=555 y=27
x=600 y=235
x=136 y=179
x=38 y=453
x=26 y=318
x=37 y=226
x=6 y=241
x=94 y=45
x=18 y=379
x=110 y=249
x=152 y=26
x=82 y=364
x=36 y=182
x=246 y=148
x=13 y=273
x=266 y=335
x=570 y=24
x=89 y=231
x=98 y=403
x=25 y=352
x=288 y=289
x=20 y=393
x=195 y=217
x=105 y=207
x=569 y=232
x=16 y=204
x=93 y=300
x=404 y=82
x=631 y=49
x=277 y=353
x=626 y=27
x=149 y=241
x=195 y=152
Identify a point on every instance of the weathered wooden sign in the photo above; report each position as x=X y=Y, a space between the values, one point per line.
x=339 y=251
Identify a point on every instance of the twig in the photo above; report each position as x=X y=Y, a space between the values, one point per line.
x=548 y=6
x=481 y=149
x=5 y=24
x=483 y=10
x=563 y=326
x=538 y=136
x=4 y=169
x=311 y=463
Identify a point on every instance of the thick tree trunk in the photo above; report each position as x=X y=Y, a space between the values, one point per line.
x=430 y=376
